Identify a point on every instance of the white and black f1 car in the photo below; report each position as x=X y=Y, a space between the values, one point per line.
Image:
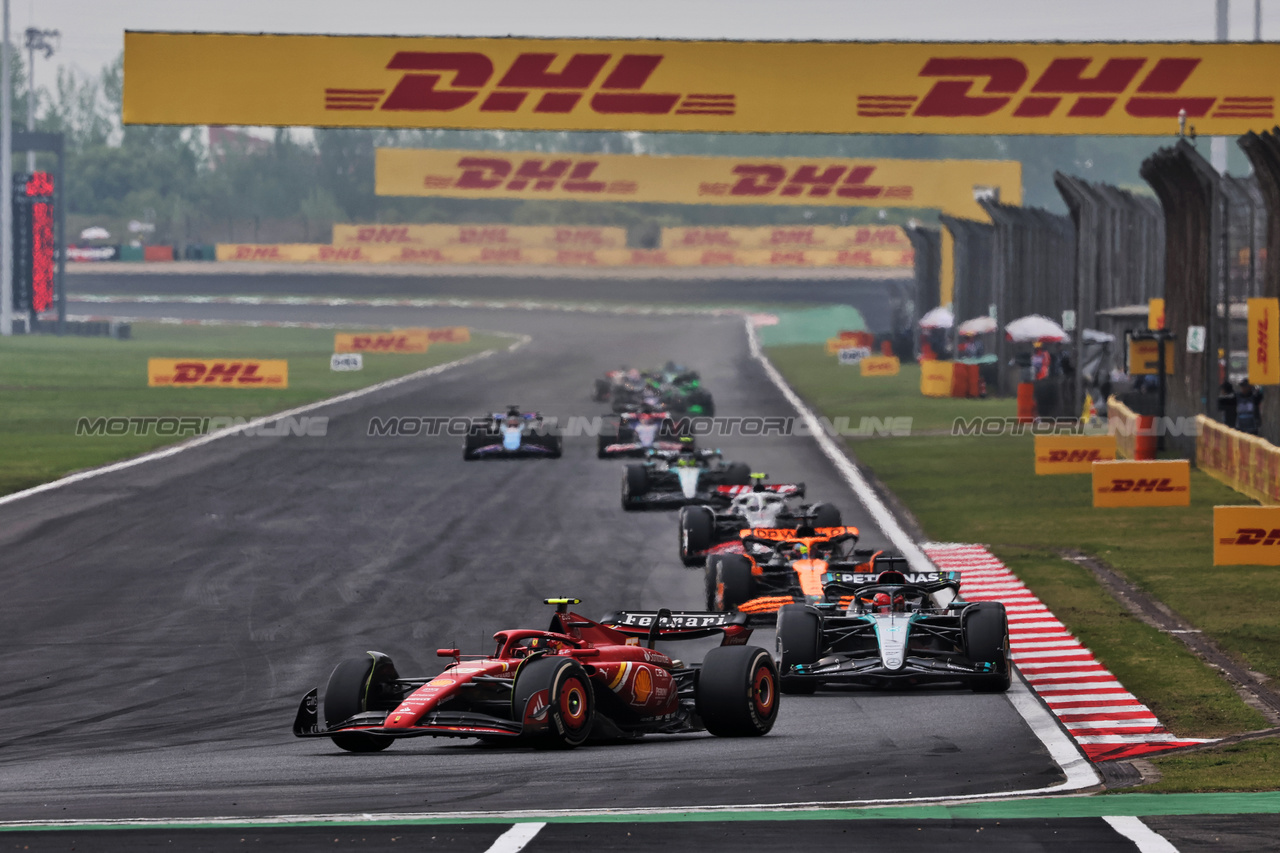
x=635 y=434
x=893 y=627
x=511 y=435
x=714 y=526
x=677 y=477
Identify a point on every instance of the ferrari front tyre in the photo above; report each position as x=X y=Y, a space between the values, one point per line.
x=635 y=482
x=358 y=685
x=985 y=628
x=697 y=528
x=733 y=582
x=737 y=692
x=737 y=474
x=799 y=641
x=570 y=700
x=827 y=515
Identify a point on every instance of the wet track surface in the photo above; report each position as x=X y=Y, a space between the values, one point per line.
x=161 y=623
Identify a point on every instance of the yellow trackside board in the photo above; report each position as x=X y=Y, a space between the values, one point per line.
x=1128 y=483
x=1092 y=88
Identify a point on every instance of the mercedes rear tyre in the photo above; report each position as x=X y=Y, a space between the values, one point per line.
x=737 y=691
x=697 y=528
x=635 y=482
x=358 y=685
x=799 y=641
x=985 y=628
x=570 y=701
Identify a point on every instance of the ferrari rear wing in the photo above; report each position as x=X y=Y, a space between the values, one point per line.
x=678 y=625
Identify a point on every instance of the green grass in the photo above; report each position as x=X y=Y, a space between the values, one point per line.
x=1248 y=766
x=984 y=489
x=47 y=383
x=835 y=389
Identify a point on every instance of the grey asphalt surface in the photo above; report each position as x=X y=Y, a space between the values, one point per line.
x=160 y=624
x=876 y=298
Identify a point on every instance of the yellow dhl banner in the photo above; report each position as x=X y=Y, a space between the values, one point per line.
x=1264 y=342
x=516 y=255
x=1072 y=454
x=935 y=378
x=1246 y=463
x=395 y=341
x=1129 y=483
x=503 y=236
x=1144 y=357
x=946 y=185
x=217 y=373
x=1246 y=535
x=978 y=88
x=787 y=237
x=880 y=365
x=1155 y=314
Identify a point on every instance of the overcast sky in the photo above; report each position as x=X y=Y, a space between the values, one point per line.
x=92 y=30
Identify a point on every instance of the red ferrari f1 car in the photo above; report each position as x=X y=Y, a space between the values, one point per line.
x=578 y=680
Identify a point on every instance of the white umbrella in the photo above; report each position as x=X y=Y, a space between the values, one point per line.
x=977 y=326
x=1093 y=336
x=938 y=318
x=95 y=232
x=1035 y=328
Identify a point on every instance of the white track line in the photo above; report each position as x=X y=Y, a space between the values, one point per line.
x=1064 y=751
x=174 y=450
x=515 y=838
x=1144 y=837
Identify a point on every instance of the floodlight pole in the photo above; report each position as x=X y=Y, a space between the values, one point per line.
x=6 y=185
x=1218 y=144
x=43 y=41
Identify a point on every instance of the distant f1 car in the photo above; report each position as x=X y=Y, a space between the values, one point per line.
x=578 y=680
x=512 y=435
x=634 y=434
x=893 y=627
x=714 y=527
x=677 y=477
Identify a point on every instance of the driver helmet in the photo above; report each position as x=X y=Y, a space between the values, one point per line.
x=800 y=551
x=882 y=602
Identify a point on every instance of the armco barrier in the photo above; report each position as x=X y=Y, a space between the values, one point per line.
x=1134 y=433
x=1246 y=463
x=518 y=255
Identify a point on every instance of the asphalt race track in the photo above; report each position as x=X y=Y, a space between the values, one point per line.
x=160 y=623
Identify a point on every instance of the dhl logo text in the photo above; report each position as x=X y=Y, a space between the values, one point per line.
x=219 y=373
x=1093 y=455
x=1143 y=485
x=983 y=86
x=809 y=180
x=1263 y=341
x=384 y=342
x=1253 y=536
x=552 y=83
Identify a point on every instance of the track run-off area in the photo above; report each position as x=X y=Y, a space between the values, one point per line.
x=161 y=621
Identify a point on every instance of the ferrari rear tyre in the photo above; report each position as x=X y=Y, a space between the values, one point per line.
x=697 y=527
x=799 y=641
x=737 y=693
x=634 y=484
x=571 y=703
x=733 y=582
x=827 y=515
x=357 y=685
x=985 y=628
x=737 y=474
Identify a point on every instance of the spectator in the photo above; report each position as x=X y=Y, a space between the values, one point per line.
x=1227 y=404
x=1248 y=400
